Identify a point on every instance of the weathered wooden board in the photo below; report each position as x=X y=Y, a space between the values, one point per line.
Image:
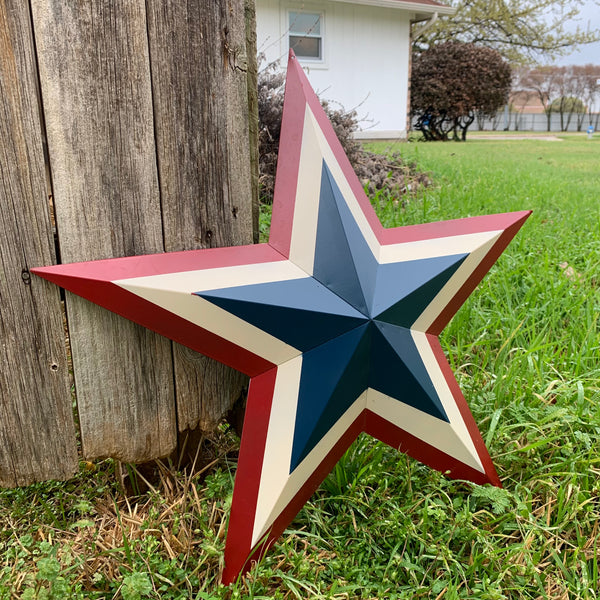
x=95 y=79
x=37 y=434
x=252 y=78
x=199 y=76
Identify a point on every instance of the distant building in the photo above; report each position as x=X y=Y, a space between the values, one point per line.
x=526 y=101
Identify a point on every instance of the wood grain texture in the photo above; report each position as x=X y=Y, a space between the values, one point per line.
x=37 y=434
x=252 y=83
x=199 y=77
x=95 y=79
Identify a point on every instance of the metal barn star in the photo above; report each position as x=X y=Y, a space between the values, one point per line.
x=335 y=320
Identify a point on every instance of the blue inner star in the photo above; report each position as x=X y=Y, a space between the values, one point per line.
x=351 y=320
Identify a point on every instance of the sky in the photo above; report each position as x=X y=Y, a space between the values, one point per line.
x=590 y=53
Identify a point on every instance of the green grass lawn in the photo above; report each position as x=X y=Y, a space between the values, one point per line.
x=526 y=350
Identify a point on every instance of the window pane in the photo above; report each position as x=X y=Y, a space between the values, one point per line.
x=305 y=23
x=306 y=47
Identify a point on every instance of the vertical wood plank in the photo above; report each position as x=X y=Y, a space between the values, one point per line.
x=95 y=77
x=37 y=434
x=199 y=77
x=252 y=83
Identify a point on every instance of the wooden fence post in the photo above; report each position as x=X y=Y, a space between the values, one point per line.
x=37 y=435
x=148 y=132
x=95 y=79
x=199 y=64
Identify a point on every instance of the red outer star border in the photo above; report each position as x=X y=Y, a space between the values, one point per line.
x=94 y=281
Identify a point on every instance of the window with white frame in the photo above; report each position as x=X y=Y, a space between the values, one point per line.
x=306 y=35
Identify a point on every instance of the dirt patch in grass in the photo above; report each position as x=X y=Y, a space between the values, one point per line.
x=525 y=136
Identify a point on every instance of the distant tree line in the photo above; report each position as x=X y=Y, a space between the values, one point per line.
x=571 y=91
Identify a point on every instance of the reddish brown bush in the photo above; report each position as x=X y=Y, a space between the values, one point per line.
x=454 y=82
x=376 y=172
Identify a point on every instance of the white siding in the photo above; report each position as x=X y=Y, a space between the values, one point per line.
x=366 y=58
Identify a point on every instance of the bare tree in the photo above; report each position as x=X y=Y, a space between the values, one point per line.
x=521 y=96
x=543 y=82
x=577 y=88
x=590 y=83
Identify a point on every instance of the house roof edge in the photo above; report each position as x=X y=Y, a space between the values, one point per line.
x=427 y=7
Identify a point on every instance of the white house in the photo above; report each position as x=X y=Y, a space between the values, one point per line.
x=355 y=52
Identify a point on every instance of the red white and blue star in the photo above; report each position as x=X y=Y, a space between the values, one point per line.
x=336 y=321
